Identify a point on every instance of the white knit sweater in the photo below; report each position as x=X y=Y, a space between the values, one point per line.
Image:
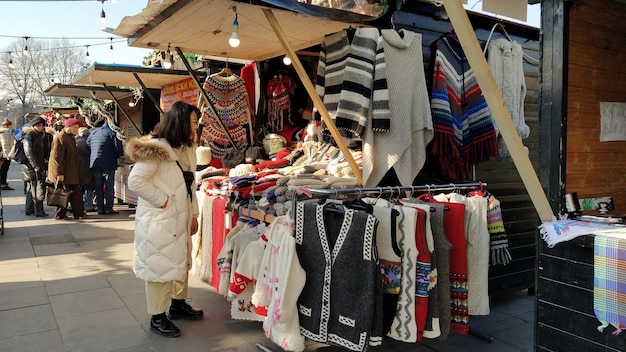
x=404 y=146
x=505 y=60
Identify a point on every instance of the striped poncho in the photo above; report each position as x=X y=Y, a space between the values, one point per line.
x=352 y=83
x=464 y=129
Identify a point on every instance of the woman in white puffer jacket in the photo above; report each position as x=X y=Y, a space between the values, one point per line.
x=166 y=215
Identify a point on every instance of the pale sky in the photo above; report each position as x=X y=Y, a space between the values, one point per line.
x=82 y=19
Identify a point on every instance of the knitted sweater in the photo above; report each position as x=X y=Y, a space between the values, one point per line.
x=464 y=130
x=341 y=301
x=229 y=98
x=403 y=148
x=505 y=60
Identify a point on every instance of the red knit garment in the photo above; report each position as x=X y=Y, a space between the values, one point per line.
x=247 y=74
x=423 y=271
x=454 y=226
x=218 y=234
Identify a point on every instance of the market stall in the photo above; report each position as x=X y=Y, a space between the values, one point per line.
x=167 y=30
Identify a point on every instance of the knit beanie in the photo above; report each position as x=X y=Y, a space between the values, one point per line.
x=37 y=120
x=253 y=154
x=203 y=155
x=233 y=158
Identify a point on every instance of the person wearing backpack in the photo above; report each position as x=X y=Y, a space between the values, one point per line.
x=6 y=141
x=33 y=170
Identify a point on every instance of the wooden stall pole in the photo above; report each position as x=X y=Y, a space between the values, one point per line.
x=147 y=92
x=308 y=85
x=474 y=53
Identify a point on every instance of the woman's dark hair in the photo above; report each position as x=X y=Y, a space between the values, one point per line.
x=176 y=125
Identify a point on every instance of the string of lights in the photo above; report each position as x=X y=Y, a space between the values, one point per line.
x=110 y=43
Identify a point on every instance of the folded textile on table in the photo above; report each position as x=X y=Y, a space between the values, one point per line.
x=557 y=231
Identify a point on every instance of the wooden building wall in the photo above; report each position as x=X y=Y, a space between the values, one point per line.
x=596 y=73
x=594 y=36
x=519 y=215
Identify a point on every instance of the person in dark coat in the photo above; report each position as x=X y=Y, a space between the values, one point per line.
x=33 y=171
x=63 y=168
x=84 y=172
x=105 y=149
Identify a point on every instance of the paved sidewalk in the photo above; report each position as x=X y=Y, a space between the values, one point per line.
x=69 y=286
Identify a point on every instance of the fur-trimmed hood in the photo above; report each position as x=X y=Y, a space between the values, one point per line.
x=147 y=148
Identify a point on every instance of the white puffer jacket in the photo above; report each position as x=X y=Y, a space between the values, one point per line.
x=162 y=239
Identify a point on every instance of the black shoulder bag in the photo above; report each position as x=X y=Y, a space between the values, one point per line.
x=189 y=178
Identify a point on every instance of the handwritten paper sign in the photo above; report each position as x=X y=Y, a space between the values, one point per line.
x=612 y=122
x=517 y=9
x=184 y=90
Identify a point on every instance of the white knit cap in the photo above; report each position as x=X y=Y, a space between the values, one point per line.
x=241 y=170
x=204 y=156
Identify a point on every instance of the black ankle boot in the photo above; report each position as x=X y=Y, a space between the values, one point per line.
x=181 y=310
x=161 y=324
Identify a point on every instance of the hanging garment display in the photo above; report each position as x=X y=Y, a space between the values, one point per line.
x=409 y=115
x=506 y=62
x=464 y=130
x=279 y=92
x=229 y=98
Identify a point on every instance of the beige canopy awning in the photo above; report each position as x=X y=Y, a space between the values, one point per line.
x=203 y=27
x=124 y=76
x=86 y=91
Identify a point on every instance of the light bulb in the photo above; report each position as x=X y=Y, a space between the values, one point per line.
x=25 y=51
x=103 y=17
x=131 y=104
x=286 y=60
x=11 y=65
x=234 y=36
x=113 y=1
x=167 y=64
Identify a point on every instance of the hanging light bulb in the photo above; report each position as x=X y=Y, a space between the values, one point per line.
x=87 y=53
x=103 y=16
x=167 y=64
x=111 y=46
x=113 y=1
x=286 y=60
x=234 y=36
x=131 y=103
x=25 y=52
x=11 y=65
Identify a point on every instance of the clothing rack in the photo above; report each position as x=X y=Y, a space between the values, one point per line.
x=394 y=189
x=261 y=216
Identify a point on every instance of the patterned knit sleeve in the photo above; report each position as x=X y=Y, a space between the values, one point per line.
x=320 y=82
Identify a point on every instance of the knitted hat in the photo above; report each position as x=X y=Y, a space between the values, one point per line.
x=241 y=170
x=253 y=154
x=37 y=120
x=71 y=122
x=204 y=156
x=233 y=158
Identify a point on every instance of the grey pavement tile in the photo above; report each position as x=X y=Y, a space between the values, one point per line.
x=77 y=284
x=50 y=273
x=54 y=249
x=24 y=321
x=23 y=297
x=143 y=348
x=48 y=341
x=84 y=302
x=136 y=304
x=104 y=331
x=16 y=275
x=126 y=284
x=19 y=282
